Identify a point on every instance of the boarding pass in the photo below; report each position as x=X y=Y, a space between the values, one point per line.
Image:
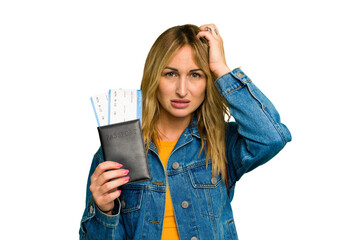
x=117 y=105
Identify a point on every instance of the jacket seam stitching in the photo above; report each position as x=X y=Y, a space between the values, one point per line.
x=142 y=230
x=268 y=115
x=192 y=207
x=232 y=91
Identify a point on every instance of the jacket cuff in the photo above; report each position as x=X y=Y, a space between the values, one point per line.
x=108 y=220
x=231 y=81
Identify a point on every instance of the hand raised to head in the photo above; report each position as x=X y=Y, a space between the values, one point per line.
x=217 y=60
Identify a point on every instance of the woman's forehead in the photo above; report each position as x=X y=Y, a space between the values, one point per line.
x=184 y=57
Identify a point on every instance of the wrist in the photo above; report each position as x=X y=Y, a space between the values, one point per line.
x=222 y=71
x=107 y=212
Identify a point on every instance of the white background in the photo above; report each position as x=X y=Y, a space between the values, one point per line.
x=304 y=55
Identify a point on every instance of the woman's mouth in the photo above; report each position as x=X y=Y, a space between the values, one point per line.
x=180 y=103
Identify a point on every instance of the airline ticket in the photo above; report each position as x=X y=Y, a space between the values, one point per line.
x=117 y=105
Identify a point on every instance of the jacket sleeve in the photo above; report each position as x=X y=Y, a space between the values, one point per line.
x=94 y=223
x=257 y=134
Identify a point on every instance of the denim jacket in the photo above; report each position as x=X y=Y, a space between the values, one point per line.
x=201 y=202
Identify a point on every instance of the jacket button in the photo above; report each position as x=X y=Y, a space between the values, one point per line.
x=184 y=204
x=239 y=74
x=123 y=204
x=213 y=180
x=175 y=165
x=91 y=209
x=193 y=238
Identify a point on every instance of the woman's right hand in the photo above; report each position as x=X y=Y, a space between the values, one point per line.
x=105 y=191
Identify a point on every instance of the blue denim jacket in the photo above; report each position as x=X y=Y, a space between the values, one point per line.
x=201 y=202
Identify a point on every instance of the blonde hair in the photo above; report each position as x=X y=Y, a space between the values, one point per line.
x=211 y=113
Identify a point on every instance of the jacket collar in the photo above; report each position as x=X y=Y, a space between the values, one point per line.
x=194 y=127
x=186 y=136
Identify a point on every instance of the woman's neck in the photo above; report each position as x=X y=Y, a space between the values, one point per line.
x=171 y=128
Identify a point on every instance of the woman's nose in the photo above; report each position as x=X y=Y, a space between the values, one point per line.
x=181 y=88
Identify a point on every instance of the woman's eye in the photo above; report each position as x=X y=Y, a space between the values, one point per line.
x=170 y=74
x=195 y=75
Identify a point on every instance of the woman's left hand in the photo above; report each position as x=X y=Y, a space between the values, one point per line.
x=217 y=60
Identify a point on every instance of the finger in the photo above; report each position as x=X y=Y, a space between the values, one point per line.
x=113 y=185
x=110 y=197
x=110 y=175
x=207 y=35
x=106 y=202
x=104 y=166
x=203 y=27
x=210 y=27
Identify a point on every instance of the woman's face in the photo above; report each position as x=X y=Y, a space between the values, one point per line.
x=182 y=86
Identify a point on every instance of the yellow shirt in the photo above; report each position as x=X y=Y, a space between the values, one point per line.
x=169 y=226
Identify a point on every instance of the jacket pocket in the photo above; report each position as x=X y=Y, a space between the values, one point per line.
x=131 y=201
x=210 y=191
x=232 y=230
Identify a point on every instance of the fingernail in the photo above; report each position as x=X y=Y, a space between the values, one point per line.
x=119 y=165
x=126 y=179
x=120 y=191
x=126 y=171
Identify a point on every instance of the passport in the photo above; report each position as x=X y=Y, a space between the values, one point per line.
x=123 y=143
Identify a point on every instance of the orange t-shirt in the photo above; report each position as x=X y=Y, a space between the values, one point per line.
x=169 y=226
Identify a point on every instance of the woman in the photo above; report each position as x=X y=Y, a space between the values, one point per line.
x=195 y=157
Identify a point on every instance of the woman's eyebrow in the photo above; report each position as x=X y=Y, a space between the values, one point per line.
x=194 y=70
x=174 y=69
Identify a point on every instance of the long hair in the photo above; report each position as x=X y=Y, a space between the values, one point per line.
x=211 y=113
